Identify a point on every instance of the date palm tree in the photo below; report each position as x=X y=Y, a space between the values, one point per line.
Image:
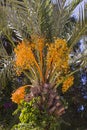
x=44 y=19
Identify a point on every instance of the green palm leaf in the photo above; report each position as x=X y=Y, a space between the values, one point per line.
x=40 y=17
x=30 y=17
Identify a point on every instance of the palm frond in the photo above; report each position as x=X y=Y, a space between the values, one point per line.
x=3 y=19
x=80 y=28
x=62 y=14
x=6 y=60
x=39 y=16
x=6 y=68
x=29 y=17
